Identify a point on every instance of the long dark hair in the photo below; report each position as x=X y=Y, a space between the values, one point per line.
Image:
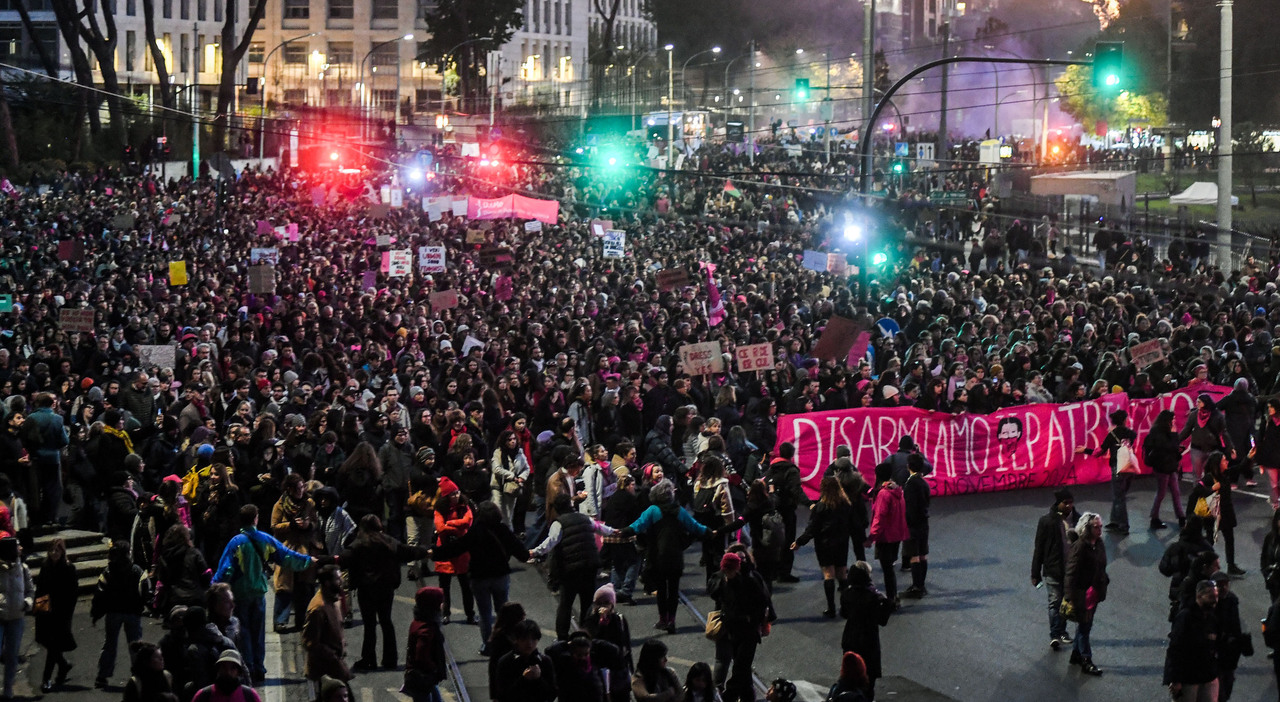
x=649 y=665
x=509 y=614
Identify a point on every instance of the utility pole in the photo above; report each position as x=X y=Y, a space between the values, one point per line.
x=1224 y=137
x=751 y=115
x=827 y=111
x=195 y=118
x=942 y=116
x=868 y=77
x=497 y=84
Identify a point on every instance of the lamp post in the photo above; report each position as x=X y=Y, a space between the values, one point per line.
x=367 y=89
x=1000 y=100
x=262 y=91
x=671 y=90
x=684 y=85
x=726 y=74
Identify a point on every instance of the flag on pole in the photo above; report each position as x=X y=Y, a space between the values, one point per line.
x=731 y=189
x=715 y=305
x=8 y=189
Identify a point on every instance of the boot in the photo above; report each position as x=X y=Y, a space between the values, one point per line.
x=1088 y=668
x=829 y=589
x=1157 y=524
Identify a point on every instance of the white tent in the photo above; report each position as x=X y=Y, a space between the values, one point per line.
x=1200 y=194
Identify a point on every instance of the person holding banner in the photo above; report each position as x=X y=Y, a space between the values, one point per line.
x=1207 y=429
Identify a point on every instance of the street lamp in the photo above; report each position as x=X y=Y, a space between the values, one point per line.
x=671 y=91
x=368 y=89
x=262 y=90
x=684 y=85
x=996 y=132
x=726 y=72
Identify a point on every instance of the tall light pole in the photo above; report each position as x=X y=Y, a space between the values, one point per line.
x=1224 y=136
x=671 y=89
x=367 y=89
x=684 y=85
x=726 y=75
x=1006 y=97
x=751 y=114
x=262 y=91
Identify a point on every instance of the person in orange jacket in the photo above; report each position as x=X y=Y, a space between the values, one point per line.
x=452 y=520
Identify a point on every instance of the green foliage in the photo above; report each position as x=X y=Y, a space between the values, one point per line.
x=485 y=24
x=1090 y=105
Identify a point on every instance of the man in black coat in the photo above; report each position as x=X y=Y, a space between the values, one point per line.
x=783 y=479
x=1049 y=560
x=1191 y=660
x=525 y=674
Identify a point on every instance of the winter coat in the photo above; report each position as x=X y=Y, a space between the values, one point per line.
x=1192 y=656
x=1161 y=451
x=744 y=604
x=53 y=628
x=669 y=523
x=1053 y=539
x=828 y=527
x=1268 y=445
x=511 y=686
x=245 y=559
x=1239 y=410
x=889 y=516
x=658 y=449
x=1210 y=436
x=374 y=559
x=865 y=610
x=322 y=637
x=182 y=576
x=450 y=526
x=1086 y=568
x=784 y=477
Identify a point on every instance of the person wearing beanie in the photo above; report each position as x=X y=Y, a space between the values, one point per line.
x=334 y=690
x=1240 y=412
x=606 y=623
x=453 y=519
x=743 y=601
x=888 y=525
x=1119 y=444
x=424 y=659
x=1054 y=532
x=227 y=684
x=1207 y=429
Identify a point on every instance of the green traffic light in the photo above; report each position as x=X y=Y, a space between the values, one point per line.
x=879 y=259
x=1113 y=80
x=898 y=168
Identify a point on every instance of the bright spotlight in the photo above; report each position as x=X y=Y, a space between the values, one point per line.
x=415 y=175
x=852 y=232
x=333 y=155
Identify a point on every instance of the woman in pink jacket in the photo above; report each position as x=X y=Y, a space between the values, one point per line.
x=888 y=526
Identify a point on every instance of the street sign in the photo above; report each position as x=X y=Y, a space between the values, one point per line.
x=901 y=148
x=949 y=197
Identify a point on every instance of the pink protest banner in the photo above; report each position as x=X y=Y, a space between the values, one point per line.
x=264 y=227
x=1019 y=447
x=545 y=211
x=494 y=208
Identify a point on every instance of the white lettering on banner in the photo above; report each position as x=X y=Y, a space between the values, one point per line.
x=1019 y=447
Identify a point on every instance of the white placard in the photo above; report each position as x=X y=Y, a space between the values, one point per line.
x=431 y=259
x=615 y=244
x=533 y=226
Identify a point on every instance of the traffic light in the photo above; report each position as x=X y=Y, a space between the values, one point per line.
x=1108 y=60
x=802 y=89
x=899 y=167
x=879 y=259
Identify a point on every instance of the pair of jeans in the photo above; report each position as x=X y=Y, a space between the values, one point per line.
x=535 y=534
x=1057 y=625
x=1083 y=628
x=738 y=687
x=1120 y=483
x=375 y=609
x=12 y=643
x=295 y=603
x=490 y=594
x=464 y=582
x=50 y=492
x=625 y=570
x=252 y=613
x=1167 y=482
x=113 y=622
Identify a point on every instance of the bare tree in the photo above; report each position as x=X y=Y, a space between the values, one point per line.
x=230 y=61
x=65 y=13
x=157 y=56
x=608 y=12
x=81 y=24
x=46 y=61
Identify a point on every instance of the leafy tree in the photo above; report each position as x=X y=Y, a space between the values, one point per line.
x=463 y=31
x=1091 y=106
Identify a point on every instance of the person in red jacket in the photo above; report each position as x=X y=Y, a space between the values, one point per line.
x=888 y=526
x=453 y=520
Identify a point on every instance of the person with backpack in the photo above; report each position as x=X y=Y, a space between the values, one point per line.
x=244 y=566
x=743 y=603
x=122 y=593
x=373 y=559
x=783 y=480
x=1119 y=447
x=424 y=660
x=713 y=508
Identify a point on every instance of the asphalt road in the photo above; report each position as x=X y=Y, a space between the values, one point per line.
x=981 y=634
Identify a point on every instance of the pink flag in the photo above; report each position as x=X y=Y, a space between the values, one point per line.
x=7 y=188
x=715 y=311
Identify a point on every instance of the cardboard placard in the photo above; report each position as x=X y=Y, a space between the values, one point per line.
x=533 y=226
x=701 y=359
x=475 y=236
x=496 y=257
x=434 y=210
x=1147 y=353
x=443 y=300
x=672 y=278
x=177 y=272
x=600 y=226
x=157 y=355
x=754 y=357
x=382 y=240
x=837 y=263
x=431 y=259
x=262 y=279
x=615 y=244
x=123 y=221
x=836 y=339
x=264 y=255
x=815 y=261
x=385 y=192
x=70 y=250
x=470 y=343
x=75 y=320
x=397 y=263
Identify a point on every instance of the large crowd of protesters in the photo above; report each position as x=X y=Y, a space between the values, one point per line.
x=307 y=442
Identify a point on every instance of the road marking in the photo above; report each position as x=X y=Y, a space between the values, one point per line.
x=759 y=685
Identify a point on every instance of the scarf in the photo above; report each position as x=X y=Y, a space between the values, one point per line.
x=121 y=435
x=1202 y=416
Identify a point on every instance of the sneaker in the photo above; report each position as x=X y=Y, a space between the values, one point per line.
x=914 y=592
x=363 y=665
x=829 y=613
x=1055 y=644
x=1157 y=524
x=661 y=625
x=1066 y=640
x=1236 y=571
